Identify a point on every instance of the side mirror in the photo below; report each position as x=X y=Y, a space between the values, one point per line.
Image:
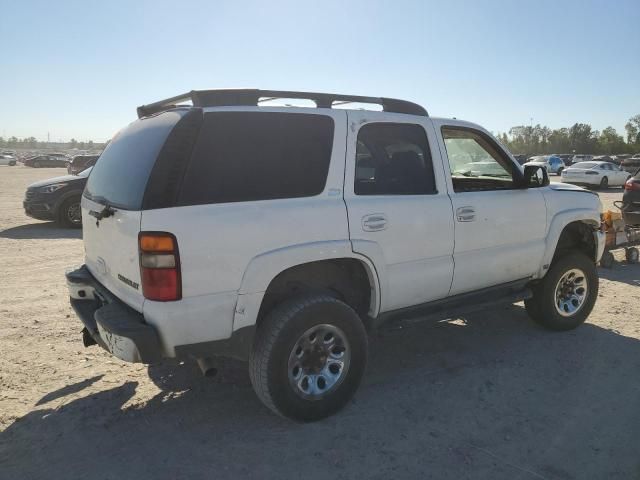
x=535 y=176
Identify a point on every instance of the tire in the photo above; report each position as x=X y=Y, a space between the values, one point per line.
x=68 y=211
x=607 y=260
x=544 y=307
x=632 y=254
x=12 y=164
x=604 y=183
x=274 y=358
x=36 y=165
x=559 y=172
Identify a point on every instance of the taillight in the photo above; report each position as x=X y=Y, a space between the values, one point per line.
x=160 y=266
x=632 y=184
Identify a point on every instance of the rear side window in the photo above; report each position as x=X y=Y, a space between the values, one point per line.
x=393 y=159
x=120 y=176
x=245 y=156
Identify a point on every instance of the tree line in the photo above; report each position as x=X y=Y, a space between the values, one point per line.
x=33 y=143
x=579 y=138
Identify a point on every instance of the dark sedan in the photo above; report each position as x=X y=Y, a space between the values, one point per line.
x=631 y=200
x=47 y=161
x=57 y=199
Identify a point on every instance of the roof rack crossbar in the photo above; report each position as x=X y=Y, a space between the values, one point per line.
x=252 y=97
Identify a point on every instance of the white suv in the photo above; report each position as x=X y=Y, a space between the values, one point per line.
x=281 y=235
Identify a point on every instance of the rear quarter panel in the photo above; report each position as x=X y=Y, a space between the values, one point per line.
x=217 y=243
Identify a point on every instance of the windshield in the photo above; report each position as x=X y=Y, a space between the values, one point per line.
x=120 y=176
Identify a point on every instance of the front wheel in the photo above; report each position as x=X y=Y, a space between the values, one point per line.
x=308 y=358
x=70 y=213
x=566 y=295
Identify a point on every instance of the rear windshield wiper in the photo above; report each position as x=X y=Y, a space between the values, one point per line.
x=106 y=212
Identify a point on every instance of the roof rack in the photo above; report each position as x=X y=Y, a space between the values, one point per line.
x=252 y=97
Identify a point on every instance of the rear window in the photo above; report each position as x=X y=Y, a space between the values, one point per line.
x=585 y=165
x=245 y=156
x=120 y=176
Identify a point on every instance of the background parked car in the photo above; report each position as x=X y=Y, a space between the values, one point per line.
x=632 y=164
x=7 y=160
x=57 y=199
x=601 y=174
x=631 y=200
x=47 y=161
x=552 y=163
x=80 y=163
x=581 y=158
x=521 y=159
x=567 y=158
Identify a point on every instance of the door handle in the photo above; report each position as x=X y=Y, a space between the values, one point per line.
x=374 y=222
x=466 y=214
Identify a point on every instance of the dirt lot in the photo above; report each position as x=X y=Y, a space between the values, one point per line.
x=489 y=396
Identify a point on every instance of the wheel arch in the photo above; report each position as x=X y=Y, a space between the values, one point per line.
x=332 y=266
x=575 y=228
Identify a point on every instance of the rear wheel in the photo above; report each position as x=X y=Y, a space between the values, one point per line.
x=70 y=213
x=604 y=183
x=632 y=254
x=37 y=164
x=565 y=297
x=308 y=358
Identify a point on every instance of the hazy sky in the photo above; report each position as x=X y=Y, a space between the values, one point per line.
x=79 y=68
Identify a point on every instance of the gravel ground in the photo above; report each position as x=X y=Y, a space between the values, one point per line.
x=487 y=396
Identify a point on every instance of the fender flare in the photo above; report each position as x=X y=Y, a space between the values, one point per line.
x=556 y=227
x=263 y=268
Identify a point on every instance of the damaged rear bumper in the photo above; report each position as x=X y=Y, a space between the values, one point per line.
x=109 y=322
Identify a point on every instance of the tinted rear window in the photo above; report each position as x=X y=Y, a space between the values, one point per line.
x=121 y=173
x=244 y=156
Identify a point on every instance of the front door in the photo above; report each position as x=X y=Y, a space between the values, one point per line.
x=399 y=212
x=499 y=229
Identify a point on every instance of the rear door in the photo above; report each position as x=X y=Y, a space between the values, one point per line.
x=399 y=212
x=118 y=182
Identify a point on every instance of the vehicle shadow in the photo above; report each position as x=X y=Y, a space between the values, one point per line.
x=490 y=395
x=44 y=230
x=622 y=272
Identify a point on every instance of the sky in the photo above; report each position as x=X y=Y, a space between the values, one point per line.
x=79 y=69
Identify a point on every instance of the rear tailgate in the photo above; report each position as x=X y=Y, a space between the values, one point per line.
x=119 y=184
x=111 y=251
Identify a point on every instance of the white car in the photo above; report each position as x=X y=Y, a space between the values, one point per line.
x=600 y=174
x=552 y=163
x=281 y=234
x=7 y=160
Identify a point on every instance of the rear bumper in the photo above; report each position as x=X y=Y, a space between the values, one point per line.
x=113 y=325
x=126 y=334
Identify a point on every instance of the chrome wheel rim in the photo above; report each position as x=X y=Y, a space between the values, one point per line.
x=74 y=214
x=571 y=292
x=319 y=361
